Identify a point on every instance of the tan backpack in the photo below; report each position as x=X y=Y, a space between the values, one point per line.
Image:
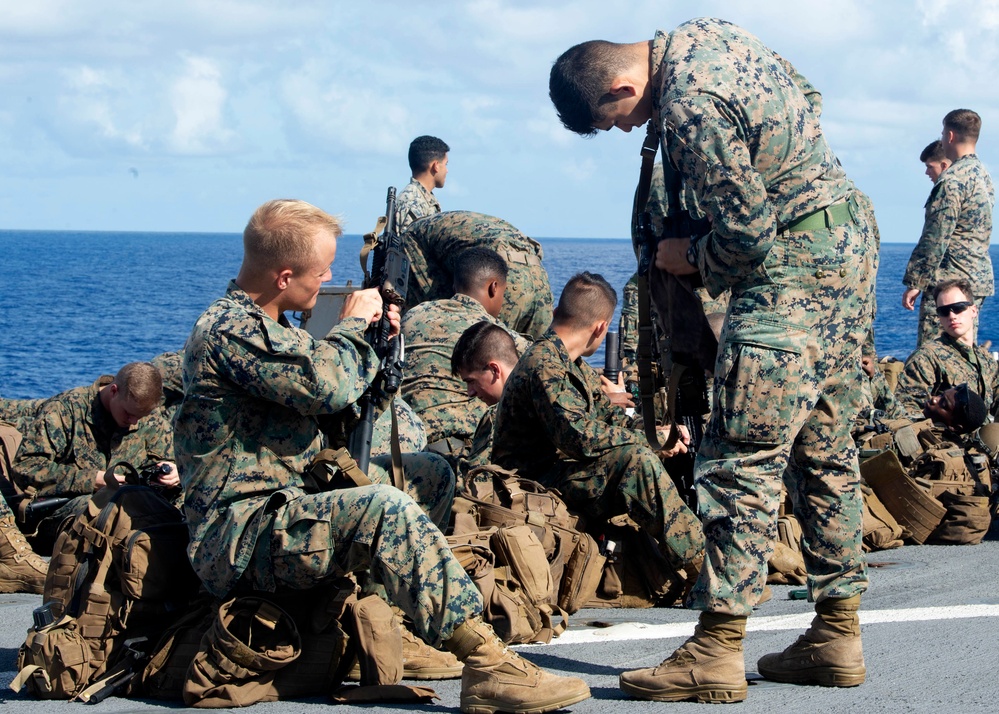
x=119 y=574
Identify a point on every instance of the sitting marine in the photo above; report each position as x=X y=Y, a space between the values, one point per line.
x=431 y=330
x=247 y=431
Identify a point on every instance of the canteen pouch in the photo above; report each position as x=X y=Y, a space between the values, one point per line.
x=522 y=553
x=379 y=641
x=54 y=661
x=249 y=641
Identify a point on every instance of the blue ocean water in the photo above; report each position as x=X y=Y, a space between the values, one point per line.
x=76 y=305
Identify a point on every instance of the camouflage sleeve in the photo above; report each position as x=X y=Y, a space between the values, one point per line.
x=917 y=382
x=942 y=211
x=561 y=404
x=45 y=460
x=289 y=367
x=813 y=95
x=704 y=142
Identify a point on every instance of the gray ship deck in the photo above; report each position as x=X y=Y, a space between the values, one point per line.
x=930 y=623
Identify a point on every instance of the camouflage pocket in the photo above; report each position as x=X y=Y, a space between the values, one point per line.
x=301 y=548
x=756 y=402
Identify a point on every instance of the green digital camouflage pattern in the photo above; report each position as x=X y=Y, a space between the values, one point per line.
x=556 y=426
x=957 y=228
x=171 y=369
x=432 y=244
x=439 y=398
x=412 y=431
x=247 y=428
x=943 y=363
x=743 y=128
x=73 y=436
x=19 y=412
x=413 y=202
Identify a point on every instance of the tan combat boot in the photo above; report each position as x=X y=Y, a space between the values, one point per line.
x=709 y=667
x=21 y=569
x=421 y=661
x=828 y=654
x=496 y=678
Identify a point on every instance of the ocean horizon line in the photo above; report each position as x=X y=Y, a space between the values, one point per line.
x=65 y=231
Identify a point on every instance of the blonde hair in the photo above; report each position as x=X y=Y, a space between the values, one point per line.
x=280 y=233
x=141 y=382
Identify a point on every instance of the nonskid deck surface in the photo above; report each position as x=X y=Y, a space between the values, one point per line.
x=930 y=624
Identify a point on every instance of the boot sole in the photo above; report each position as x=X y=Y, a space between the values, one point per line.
x=432 y=674
x=706 y=694
x=822 y=676
x=476 y=705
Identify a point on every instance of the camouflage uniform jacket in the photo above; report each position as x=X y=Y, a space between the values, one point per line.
x=956 y=231
x=552 y=409
x=438 y=397
x=247 y=427
x=944 y=363
x=413 y=202
x=754 y=163
x=73 y=436
x=432 y=244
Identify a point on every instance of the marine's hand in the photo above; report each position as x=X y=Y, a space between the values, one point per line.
x=680 y=447
x=909 y=298
x=366 y=304
x=617 y=393
x=171 y=479
x=868 y=365
x=671 y=256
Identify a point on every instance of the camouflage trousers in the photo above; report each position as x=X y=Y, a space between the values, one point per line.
x=929 y=323
x=787 y=388
x=527 y=302
x=375 y=528
x=412 y=431
x=631 y=479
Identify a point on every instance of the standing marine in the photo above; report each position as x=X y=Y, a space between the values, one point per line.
x=798 y=254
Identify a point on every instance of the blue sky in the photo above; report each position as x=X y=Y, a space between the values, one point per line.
x=186 y=115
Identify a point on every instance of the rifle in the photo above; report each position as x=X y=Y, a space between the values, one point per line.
x=612 y=356
x=390 y=274
x=685 y=395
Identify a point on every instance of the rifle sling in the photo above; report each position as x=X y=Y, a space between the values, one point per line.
x=398 y=475
x=646 y=374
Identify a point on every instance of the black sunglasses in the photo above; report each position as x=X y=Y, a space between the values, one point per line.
x=955 y=307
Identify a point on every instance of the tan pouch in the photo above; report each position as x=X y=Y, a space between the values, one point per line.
x=881 y=530
x=54 y=661
x=379 y=641
x=249 y=641
x=582 y=572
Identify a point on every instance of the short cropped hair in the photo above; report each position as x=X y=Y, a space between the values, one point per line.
x=585 y=299
x=960 y=283
x=965 y=124
x=423 y=151
x=480 y=344
x=475 y=266
x=280 y=233
x=141 y=382
x=580 y=78
x=933 y=152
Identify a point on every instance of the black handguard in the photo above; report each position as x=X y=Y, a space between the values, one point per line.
x=612 y=356
x=390 y=274
x=686 y=397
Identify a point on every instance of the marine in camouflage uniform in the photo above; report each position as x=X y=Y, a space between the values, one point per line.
x=946 y=362
x=555 y=425
x=247 y=430
x=19 y=412
x=954 y=243
x=439 y=398
x=798 y=253
x=73 y=436
x=414 y=202
x=432 y=245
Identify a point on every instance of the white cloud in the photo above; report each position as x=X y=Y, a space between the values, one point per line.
x=198 y=99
